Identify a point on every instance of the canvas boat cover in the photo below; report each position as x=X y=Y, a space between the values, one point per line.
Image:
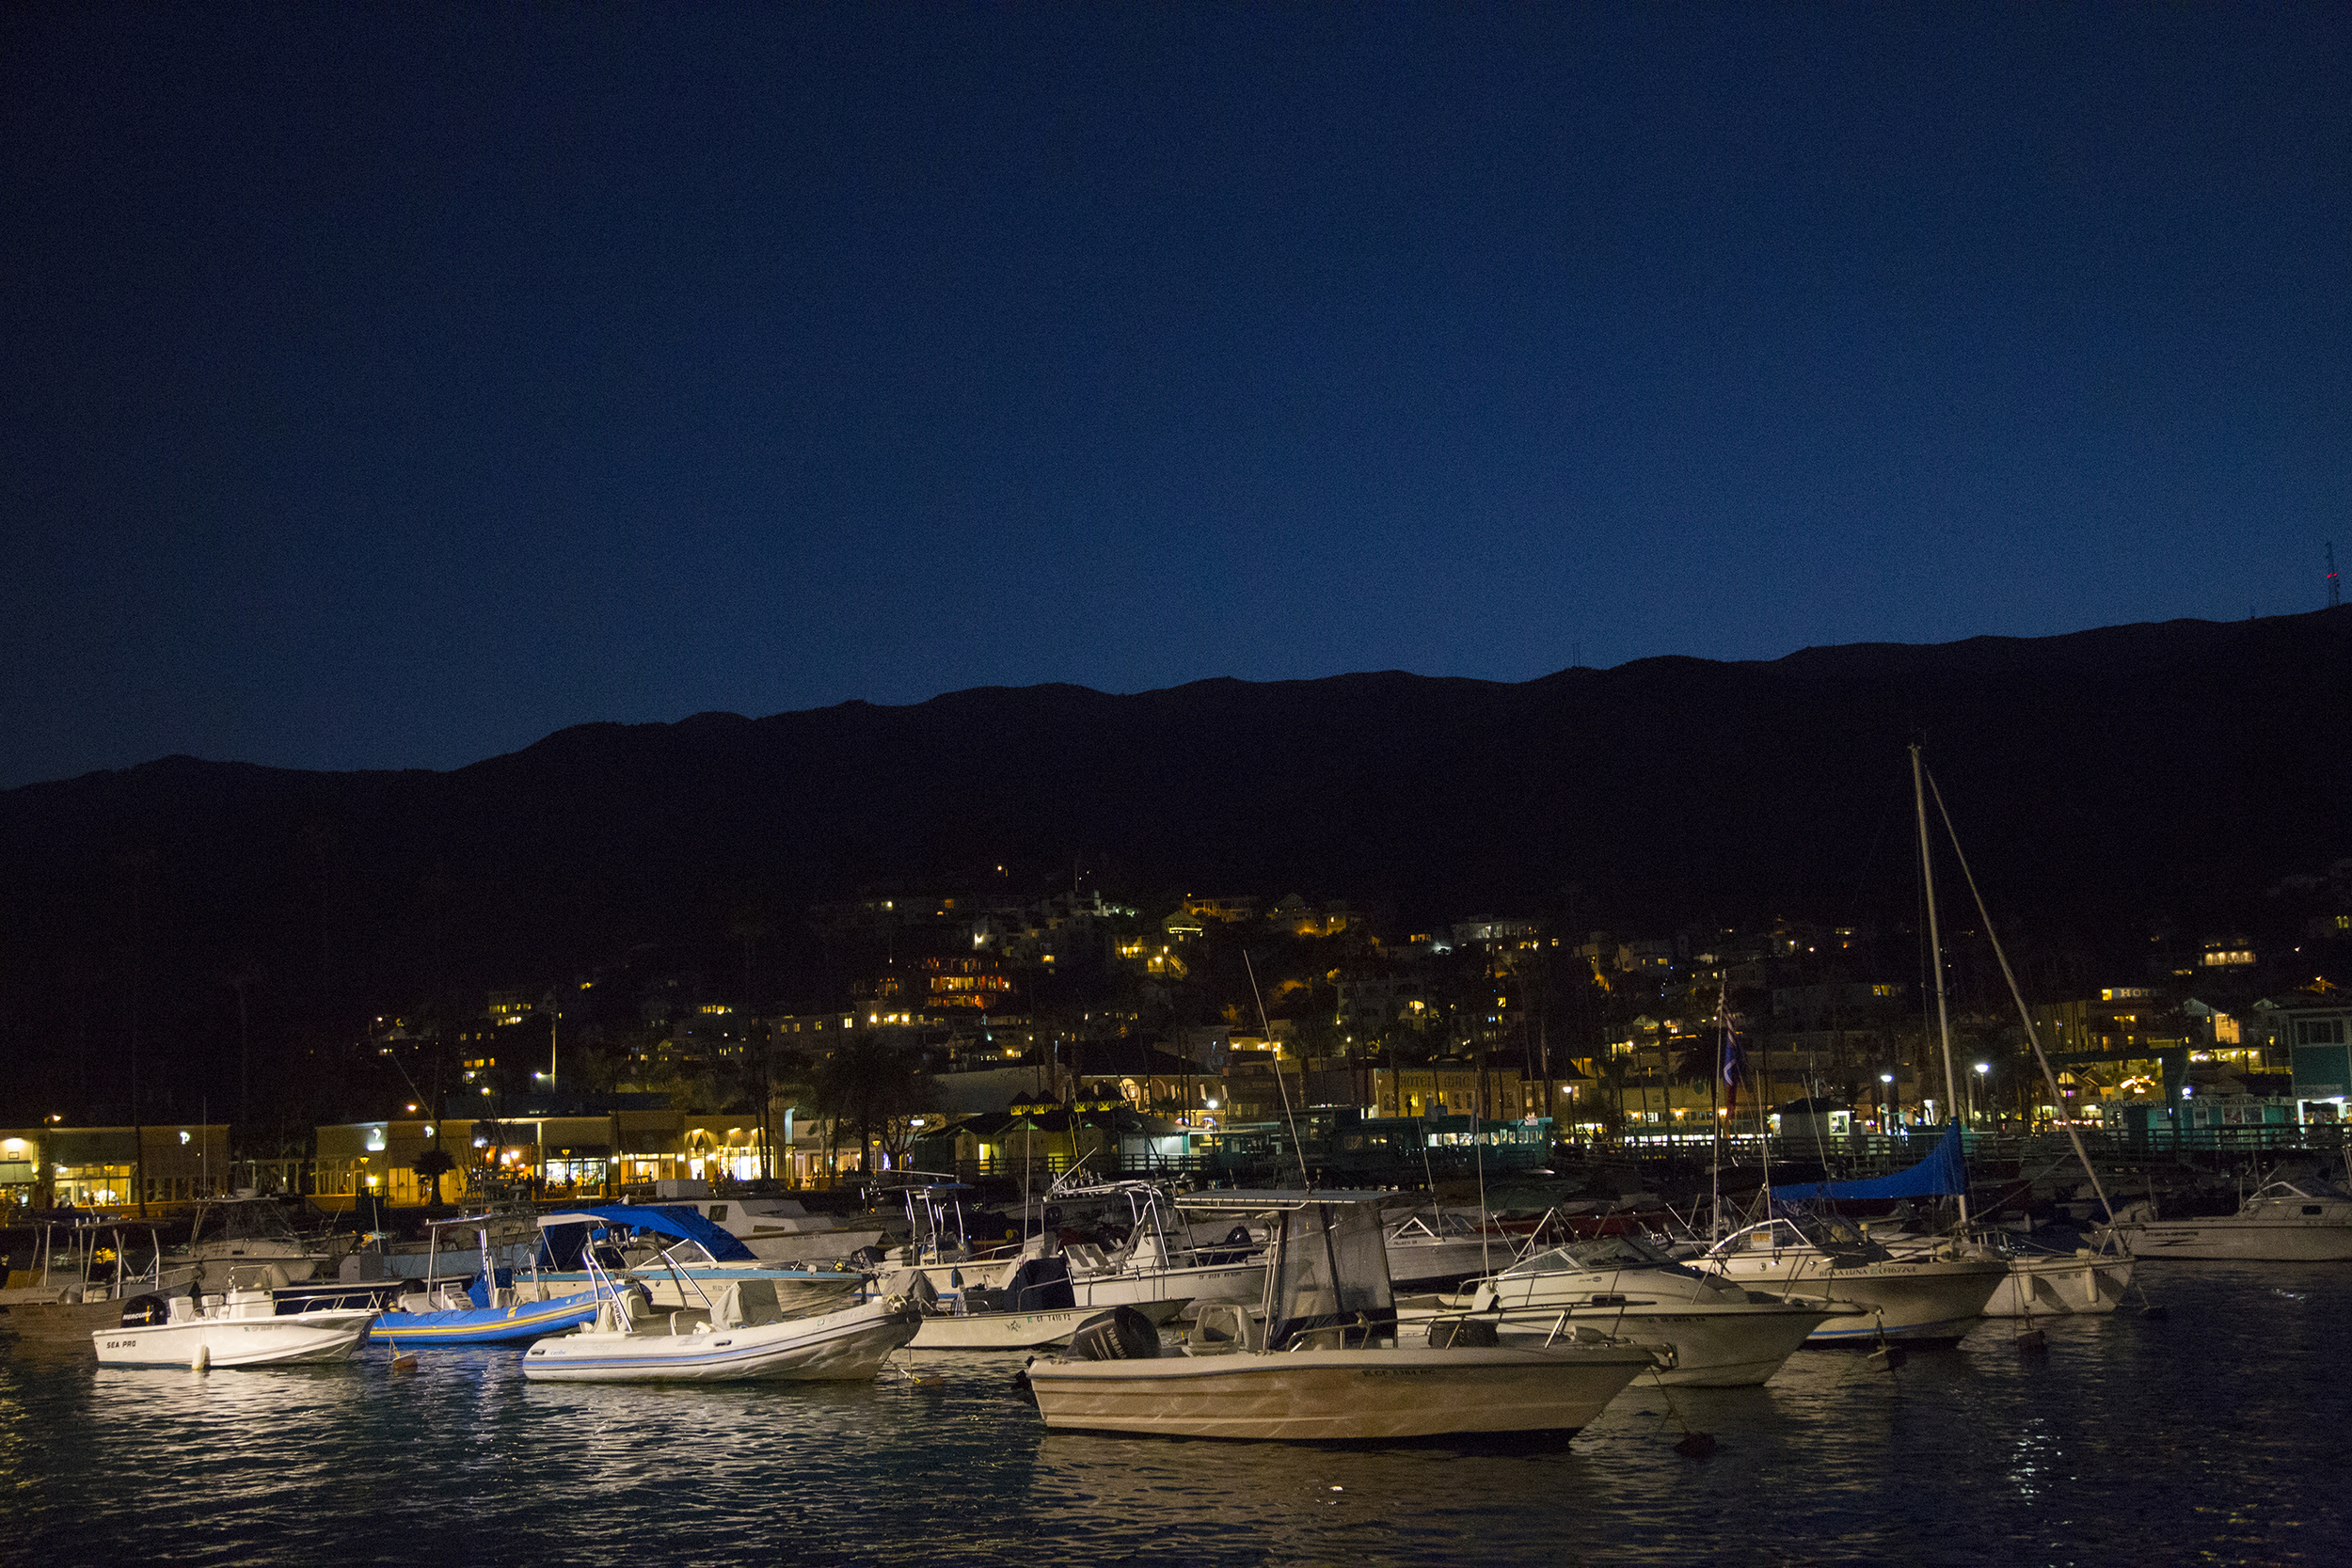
x=669 y=1221
x=1331 y=1269
x=1943 y=1174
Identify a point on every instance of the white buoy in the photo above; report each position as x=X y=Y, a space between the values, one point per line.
x=203 y=1359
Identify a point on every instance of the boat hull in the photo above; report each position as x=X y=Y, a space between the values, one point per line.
x=1710 y=1346
x=63 y=1323
x=846 y=1346
x=495 y=1326
x=257 y=1341
x=2240 y=1241
x=2058 y=1286
x=1342 y=1396
x=1917 y=1303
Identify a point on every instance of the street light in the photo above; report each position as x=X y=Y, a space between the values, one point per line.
x=1887 y=1125
x=1983 y=1069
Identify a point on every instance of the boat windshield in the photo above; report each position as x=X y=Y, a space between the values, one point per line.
x=1606 y=1252
x=252 y=1219
x=2308 y=1187
x=1831 y=1234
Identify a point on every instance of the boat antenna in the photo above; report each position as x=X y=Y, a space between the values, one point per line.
x=1935 y=948
x=2033 y=1037
x=1296 y=1147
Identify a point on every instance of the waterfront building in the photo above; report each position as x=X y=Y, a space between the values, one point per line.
x=157 y=1163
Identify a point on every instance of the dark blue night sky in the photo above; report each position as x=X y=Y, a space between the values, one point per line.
x=390 y=386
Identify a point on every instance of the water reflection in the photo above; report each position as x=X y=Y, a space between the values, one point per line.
x=2212 y=1433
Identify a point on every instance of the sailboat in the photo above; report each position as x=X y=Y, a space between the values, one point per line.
x=2089 y=1279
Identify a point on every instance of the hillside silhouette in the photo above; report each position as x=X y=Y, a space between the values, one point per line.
x=2111 y=785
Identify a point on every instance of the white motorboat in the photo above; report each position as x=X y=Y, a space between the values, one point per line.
x=1040 y=1294
x=1036 y=1308
x=1718 y=1334
x=243 y=1328
x=746 y=1334
x=245 y=1232
x=781 y=1231
x=1920 y=1300
x=1326 y=1366
x=2284 y=1220
x=2040 y=1283
x=1155 y=1262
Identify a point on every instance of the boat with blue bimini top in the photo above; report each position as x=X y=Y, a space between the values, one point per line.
x=745 y=1333
x=670 y=1247
x=1322 y=1361
x=487 y=1312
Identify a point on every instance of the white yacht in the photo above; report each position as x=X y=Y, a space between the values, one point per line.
x=1719 y=1335
x=1921 y=1300
x=2284 y=1221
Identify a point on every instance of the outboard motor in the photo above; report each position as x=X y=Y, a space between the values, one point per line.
x=1122 y=1334
x=144 y=1311
x=1040 y=1285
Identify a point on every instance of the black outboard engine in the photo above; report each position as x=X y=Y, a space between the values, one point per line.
x=1122 y=1334
x=1040 y=1285
x=868 y=1257
x=145 y=1311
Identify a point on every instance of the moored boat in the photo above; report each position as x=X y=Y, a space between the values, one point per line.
x=745 y=1334
x=1922 y=1300
x=1326 y=1366
x=1718 y=1335
x=683 y=1259
x=242 y=1328
x=488 y=1313
x=2284 y=1221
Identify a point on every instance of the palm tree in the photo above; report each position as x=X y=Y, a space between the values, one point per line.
x=871 y=1082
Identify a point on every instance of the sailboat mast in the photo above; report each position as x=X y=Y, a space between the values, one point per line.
x=1935 y=950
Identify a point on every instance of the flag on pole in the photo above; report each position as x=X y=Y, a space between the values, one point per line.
x=1734 y=1068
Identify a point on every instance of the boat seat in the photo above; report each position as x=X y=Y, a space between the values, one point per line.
x=748 y=1304
x=1222 y=1328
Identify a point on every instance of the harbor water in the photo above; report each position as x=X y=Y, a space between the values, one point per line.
x=2215 y=1434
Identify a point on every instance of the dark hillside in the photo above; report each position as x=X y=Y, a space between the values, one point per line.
x=2110 y=783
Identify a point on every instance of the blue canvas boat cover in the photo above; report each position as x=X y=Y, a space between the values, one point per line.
x=672 y=1221
x=1943 y=1174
